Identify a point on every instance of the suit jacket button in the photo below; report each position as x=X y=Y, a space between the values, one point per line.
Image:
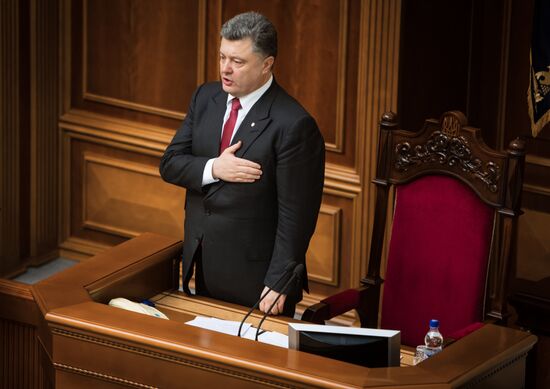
x=207 y=212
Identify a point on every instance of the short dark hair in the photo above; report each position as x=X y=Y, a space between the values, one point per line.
x=255 y=26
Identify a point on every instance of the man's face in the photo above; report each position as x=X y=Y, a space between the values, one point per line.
x=242 y=70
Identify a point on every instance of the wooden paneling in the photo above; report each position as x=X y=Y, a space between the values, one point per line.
x=114 y=190
x=125 y=198
x=378 y=80
x=137 y=60
x=534 y=235
x=11 y=135
x=44 y=140
x=323 y=256
x=330 y=261
x=28 y=133
x=20 y=358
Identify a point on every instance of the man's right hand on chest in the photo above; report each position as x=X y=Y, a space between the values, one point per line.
x=228 y=167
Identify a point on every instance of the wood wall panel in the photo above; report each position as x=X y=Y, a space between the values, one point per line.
x=114 y=191
x=126 y=198
x=137 y=60
x=331 y=247
x=138 y=42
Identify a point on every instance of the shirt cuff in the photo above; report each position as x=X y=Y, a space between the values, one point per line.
x=207 y=173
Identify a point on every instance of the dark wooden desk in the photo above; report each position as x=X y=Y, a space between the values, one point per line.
x=86 y=343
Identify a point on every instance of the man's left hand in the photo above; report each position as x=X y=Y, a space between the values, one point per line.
x=268 y=300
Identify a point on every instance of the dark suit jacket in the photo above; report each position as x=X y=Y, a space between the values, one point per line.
x=249 y=231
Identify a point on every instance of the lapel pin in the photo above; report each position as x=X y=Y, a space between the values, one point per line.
x=253 y=124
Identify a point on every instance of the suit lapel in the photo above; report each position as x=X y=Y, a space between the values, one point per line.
x=213 y=123
x=255 y=122
x=252 y=126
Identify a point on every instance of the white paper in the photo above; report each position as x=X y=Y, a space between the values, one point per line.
x=274 y=338
x=224 y=326
x=232 y=328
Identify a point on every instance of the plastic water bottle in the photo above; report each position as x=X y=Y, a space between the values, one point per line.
x=433 y=339
x=433 y=343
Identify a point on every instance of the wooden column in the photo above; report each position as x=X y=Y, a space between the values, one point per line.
x=11 y=123
x=44 y=134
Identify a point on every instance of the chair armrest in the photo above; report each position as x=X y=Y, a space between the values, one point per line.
x=463 y=332
x=316 y=313
x=340 y=303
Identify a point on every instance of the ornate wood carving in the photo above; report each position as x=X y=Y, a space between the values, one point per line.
x=447 y=150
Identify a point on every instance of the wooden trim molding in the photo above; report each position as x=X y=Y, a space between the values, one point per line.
x=133 y=106
x=343 y=174
x=151 y=139
x=537 y=189
x=101 y=376
x=15 y=289
x=81 y=249
x=536 y=160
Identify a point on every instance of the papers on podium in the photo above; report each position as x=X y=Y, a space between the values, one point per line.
x=232 y=328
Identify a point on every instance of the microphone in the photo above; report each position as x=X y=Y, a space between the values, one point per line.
x=296 y=275
x=287 y=269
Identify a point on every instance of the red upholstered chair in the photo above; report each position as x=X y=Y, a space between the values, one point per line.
x=453 y=228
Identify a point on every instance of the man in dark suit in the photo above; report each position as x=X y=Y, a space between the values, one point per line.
x=252 y=161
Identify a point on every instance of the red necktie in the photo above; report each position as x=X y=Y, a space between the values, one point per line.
x=230 y=124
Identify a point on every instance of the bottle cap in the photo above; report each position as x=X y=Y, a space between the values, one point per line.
x=434 y=323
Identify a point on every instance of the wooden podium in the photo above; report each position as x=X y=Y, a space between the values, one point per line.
x=87 y=344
